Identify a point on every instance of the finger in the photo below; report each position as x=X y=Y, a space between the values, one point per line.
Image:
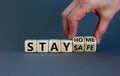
x=72 y=29
x=65 y=14
x=77 y=14
x=101 y=29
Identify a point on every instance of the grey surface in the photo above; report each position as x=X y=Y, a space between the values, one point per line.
x=41 y=19
x=60 y=64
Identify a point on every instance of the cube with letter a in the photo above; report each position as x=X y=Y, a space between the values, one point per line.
x=54 y=45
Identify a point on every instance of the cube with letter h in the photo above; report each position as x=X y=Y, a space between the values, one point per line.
x=78 y=44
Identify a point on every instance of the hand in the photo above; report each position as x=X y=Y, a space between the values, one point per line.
x=104 y=9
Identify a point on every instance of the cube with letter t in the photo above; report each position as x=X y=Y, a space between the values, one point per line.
x=42 y=45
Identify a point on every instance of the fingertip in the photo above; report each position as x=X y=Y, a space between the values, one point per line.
x=98 y=39
x=70 y=37
x=72 y=34
x=66 y=35
x=66 y=31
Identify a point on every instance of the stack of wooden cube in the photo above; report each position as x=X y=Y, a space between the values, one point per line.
x=77 y=44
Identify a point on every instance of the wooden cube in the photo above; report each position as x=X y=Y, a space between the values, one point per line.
x=90 y=44
x=78 y=44
x=42 y=45
x=54 y=45
x=66 y=46
x=30 y=45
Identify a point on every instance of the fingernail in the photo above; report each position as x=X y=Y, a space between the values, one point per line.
x=69 y=37
x=98 y=40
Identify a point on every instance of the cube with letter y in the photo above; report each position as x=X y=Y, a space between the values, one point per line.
x=66 y=45
x=90 y=44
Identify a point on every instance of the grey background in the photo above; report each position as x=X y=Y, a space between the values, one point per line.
x=41 y=19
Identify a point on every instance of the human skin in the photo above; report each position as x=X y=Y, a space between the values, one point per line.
x=104 y=9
